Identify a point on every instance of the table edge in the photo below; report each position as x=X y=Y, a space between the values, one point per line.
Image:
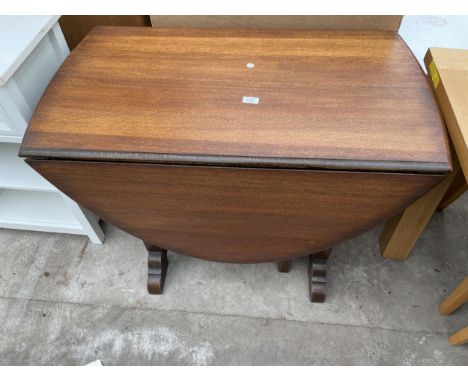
x=437 y=168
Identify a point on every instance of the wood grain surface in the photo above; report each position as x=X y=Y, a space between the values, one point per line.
x=455 y=299
x=327 y=99
x=76 y=27
x=460 y=337
x=457 y=188
x=401 y=233
x=235 y=214
x=448 y=69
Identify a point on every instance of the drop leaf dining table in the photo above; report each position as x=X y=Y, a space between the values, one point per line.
x=240 y=146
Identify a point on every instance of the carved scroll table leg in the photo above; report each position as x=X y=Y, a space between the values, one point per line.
x=318 y=276
x=284 y=266
x=157 y=267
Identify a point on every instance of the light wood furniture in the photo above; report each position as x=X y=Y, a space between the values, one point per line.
x=458 y=186
x=458 y=297
x=448 y=73
x=460 y=337
x=32 y=48
x=401 y=233
x=240 y=145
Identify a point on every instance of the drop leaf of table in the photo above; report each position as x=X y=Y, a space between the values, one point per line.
x=240 y=145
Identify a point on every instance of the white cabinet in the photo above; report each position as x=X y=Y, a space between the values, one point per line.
x=32 y=48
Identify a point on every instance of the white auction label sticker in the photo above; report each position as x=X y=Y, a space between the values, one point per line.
x=253 y=100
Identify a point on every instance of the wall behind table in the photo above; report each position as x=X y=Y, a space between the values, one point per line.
x=75 y=28
x=391 y=23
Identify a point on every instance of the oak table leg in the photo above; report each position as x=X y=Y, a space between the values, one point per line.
x=458 y=296
x=318 y=276
x=455 y=299
x=457 y=188
x=460 y=337
x=284 y=266
x=401 y=233
x=157 y=268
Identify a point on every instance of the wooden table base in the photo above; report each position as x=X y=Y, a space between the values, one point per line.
x=317 y=274
x=157 y=269
x=284 y=266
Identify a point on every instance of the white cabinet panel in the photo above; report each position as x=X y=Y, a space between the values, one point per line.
x=32 y=48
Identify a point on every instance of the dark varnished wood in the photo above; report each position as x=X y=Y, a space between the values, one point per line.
x=235 y=214
x=344 y=100
x=157 y=268
x=284 y=266
x=318 y=275
x=76 y=27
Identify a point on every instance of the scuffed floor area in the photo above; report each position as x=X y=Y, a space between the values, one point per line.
x=64 y=300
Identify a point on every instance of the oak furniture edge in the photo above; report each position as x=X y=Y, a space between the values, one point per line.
x=438 y=168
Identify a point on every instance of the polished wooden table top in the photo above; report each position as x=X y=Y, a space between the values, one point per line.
x=224 y=144
x=326 y=99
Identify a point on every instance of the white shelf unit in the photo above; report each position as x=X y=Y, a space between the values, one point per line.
x=32 y=48
x=15 y=174
x=36 y=211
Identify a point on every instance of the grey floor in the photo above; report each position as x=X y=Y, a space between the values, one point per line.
x=66 y=301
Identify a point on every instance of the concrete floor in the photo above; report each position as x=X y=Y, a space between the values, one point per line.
x=66 y=301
